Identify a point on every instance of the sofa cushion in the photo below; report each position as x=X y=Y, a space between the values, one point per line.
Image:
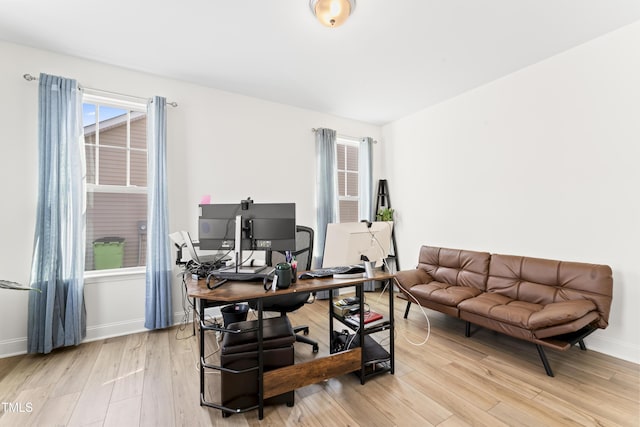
x=525 y=314
x=500 y=307
x=455 y=266
x=558 y=313
x=543 y=281
x=444 y=293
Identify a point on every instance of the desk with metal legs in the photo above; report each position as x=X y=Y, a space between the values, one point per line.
x=282 y=380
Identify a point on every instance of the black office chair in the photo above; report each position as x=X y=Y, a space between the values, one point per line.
x=291 y=302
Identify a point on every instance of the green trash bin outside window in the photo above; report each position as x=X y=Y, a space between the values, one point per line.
x=108 y=252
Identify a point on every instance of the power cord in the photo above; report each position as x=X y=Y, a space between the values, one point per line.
x=386 y=265
x=353 y=337
x=424 y=313
x=382 y=252
x=421 y=309
x=187 y=308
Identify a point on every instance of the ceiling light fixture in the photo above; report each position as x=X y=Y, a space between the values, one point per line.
x=332 y=13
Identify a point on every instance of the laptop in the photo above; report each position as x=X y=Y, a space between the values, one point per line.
x=200 y=259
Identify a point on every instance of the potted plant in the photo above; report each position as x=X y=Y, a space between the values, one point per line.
x=384 y=214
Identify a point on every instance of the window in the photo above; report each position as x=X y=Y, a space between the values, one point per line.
x=347 y=164
x=115 y=135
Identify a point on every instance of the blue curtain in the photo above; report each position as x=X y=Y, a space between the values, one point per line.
x=326 y=177
x=57 y=316
x=158 y=312
x=365 y=182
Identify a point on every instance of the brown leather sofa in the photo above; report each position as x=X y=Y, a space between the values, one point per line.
x=550 y=303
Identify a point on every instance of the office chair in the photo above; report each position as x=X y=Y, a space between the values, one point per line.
x=291 y=302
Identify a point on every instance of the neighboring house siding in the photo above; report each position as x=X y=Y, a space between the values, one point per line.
x=347 y=182
x=109 y=207
x=118 y=214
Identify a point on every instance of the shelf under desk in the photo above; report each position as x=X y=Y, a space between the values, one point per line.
x=288 y=378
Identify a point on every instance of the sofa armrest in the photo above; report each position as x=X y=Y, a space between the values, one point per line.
x=409 y=278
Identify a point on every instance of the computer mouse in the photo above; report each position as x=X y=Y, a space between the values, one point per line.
x=305 y=276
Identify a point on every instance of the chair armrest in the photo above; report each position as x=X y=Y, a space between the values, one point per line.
x=409 y=278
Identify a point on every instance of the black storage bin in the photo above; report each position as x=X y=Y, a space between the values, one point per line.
x=240 y=351
x=234 y=313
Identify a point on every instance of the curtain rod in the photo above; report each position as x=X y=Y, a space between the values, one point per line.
x=28 y=77
x=314 y=130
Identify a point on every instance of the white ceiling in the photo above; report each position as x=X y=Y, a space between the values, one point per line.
x=390 y=59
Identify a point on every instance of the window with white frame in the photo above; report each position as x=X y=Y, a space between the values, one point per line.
x=115 y=133
x=347 y=165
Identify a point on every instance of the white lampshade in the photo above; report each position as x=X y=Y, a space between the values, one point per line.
x=332 y=13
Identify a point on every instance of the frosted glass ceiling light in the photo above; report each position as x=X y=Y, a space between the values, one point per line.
x=332 y=13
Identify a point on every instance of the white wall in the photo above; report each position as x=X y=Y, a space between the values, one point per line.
x=539 y=163
x=222 y=144
x=543 y=162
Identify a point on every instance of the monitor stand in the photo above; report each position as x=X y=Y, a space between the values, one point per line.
x=238 y=243
x=250 y=270
x=238 y=253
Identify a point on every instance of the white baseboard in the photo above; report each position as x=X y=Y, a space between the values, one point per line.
x=133 y=326
x=18 y=346
x=13 y=347
x=115 y=329
x=615 y=348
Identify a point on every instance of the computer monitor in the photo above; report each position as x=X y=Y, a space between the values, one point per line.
x=247 y=226
x=217 y=225
x=347 y=242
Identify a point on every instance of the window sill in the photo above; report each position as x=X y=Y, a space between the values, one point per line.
x=95 y=275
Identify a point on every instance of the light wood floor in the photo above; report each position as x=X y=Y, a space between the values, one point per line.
x=151 y=379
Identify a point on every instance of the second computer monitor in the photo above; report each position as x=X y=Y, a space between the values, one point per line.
x=264 y=226
x=347 y=242
x=216 y=226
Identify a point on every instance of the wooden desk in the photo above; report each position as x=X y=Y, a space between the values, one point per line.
x=278 y=381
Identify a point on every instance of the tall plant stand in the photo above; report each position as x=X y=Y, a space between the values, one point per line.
x=384 y=201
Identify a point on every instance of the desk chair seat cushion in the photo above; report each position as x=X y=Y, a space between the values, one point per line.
x=276 y=332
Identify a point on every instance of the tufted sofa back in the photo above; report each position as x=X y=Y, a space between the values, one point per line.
x=543 y=281
x=455 y=266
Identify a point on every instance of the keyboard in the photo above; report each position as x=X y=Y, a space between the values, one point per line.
x=328 y=272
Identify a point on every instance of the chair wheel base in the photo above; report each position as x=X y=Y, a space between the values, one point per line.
x=315 y=348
